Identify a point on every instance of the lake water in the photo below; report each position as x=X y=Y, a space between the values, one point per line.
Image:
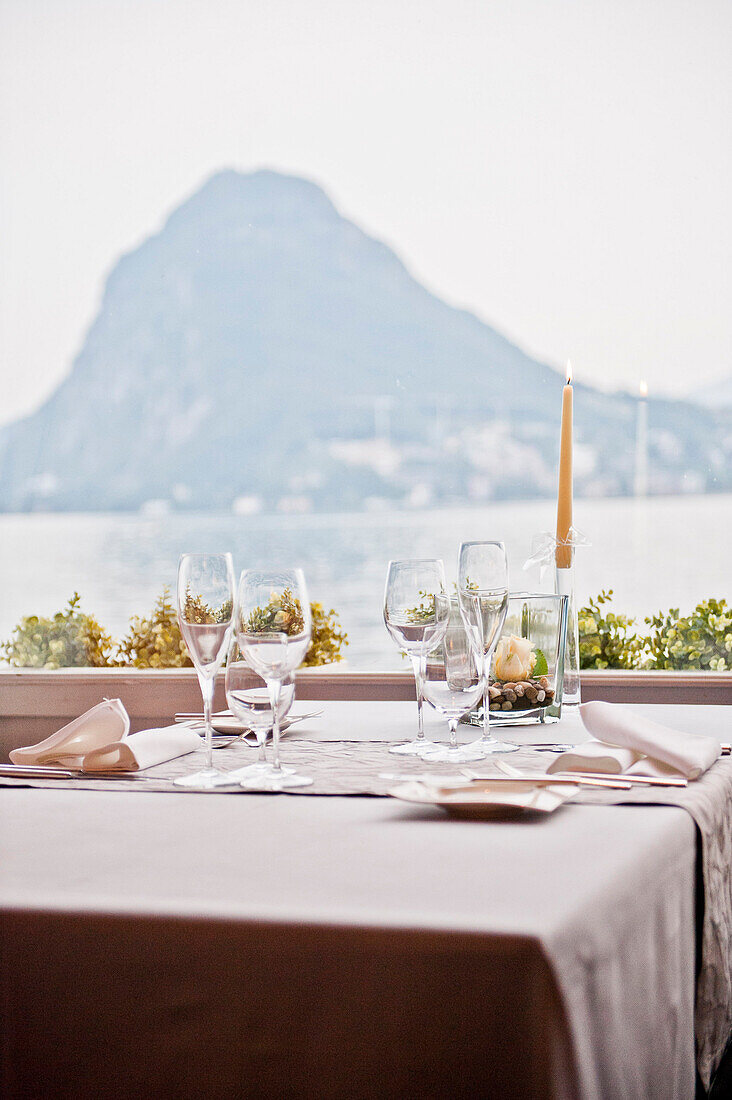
x=655 y=554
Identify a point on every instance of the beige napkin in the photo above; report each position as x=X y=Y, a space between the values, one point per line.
x=100 y=740
x=626 y=741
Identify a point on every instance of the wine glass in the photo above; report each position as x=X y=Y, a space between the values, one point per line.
x=453 y=684
x=249 y=701
x=205 y=614
x=483 y=595
x=417 y=622
x=273 y=630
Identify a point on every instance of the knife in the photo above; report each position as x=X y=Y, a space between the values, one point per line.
x=35 y=771
x=38 y=771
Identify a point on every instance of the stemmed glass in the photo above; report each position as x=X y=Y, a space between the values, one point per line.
x=454 y=682
x=249 y=701
x=205 y=614
x=273 y=631
x=483 y=595
x=417 y=622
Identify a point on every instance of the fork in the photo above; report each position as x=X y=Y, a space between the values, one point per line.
x=222 y=741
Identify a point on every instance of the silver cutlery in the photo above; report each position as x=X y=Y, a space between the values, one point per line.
x=645 y=780
x=223 y=740
x=38 y=771
x=545 y=746
x=593 y=778
x=543 y=780
x=186 y=716
x=246 y=737
x=190 y=719
x=35 y=771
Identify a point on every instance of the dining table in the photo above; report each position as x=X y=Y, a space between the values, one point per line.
x=233 y=943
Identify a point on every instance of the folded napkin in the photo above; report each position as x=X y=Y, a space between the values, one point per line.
x=143 y=750
x=625 y=741
x=100 y=740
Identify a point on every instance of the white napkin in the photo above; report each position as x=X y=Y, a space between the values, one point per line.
x=100 y=740
x=625 y=741
x=143 y=750
x=106 y=722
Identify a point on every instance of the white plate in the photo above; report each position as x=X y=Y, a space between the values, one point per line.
x=233 y=725
x=505 y=800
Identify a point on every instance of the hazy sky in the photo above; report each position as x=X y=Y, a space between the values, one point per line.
x=562 y=168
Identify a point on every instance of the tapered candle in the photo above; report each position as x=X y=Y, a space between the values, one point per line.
x=564 y=498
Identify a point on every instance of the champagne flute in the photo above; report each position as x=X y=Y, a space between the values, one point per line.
x=453 y=683
x=483 y=595
x=249 y=701
x=417 y=622
x=273 y=630
x=205 y=614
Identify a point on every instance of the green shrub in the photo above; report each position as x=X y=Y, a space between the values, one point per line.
x=74 y=639
x=155 y=642
x=607 y=640
x=702 y=640
x=71 y=639
x=328 y=638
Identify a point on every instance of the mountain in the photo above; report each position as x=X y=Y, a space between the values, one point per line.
x=261 y=348
x=715 y=395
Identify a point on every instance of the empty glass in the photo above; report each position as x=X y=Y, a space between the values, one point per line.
x=205 y=614
x=454 y=682
x=249 y=701
x=483 y=595
x=417 y=622
x=273 y=631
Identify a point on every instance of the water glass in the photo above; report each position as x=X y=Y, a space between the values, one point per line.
x=249 y=701
x=453 y=684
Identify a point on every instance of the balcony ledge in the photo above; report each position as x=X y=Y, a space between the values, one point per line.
x=31 y=694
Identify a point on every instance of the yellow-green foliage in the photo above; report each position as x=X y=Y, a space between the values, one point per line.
x=155 y=642
x=702 y=640
x=607 y=640
x=328 y=638
x=282 y=615
x=71 y=639
x=74 y=639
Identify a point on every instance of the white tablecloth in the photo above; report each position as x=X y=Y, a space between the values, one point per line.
x=195 y=945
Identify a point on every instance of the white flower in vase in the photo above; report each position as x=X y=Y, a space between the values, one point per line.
x=515 y=659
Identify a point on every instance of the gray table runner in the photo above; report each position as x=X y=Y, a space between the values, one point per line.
x=709 y=801
x=337 y=768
